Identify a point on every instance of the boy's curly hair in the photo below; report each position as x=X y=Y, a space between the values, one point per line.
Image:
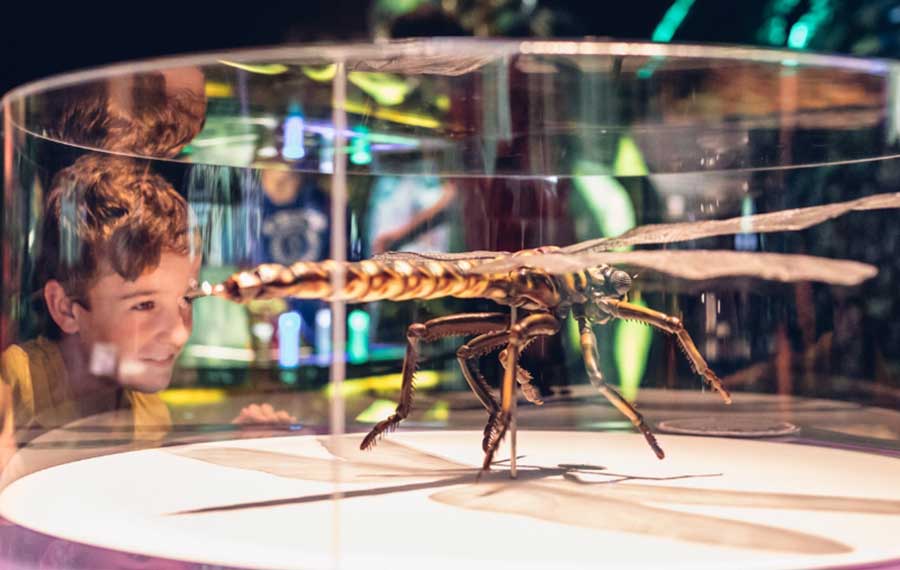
x=106 y=213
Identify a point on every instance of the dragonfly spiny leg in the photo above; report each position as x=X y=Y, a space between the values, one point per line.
x=519 y=335
x=468 y=355
x=452 y=325
x=589 y=352
x=673 y=326
x=524 y=378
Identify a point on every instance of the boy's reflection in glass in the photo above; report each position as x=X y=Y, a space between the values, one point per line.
x=294 y=227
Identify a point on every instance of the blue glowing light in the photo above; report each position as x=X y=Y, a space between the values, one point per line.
x=323 y=331
x=293 y=138
x=289 y=339
x=746 y=240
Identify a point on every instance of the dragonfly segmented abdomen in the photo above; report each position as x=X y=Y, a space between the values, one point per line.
x=363 y=281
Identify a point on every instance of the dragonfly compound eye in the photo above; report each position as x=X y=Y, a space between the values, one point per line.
x=620 y=282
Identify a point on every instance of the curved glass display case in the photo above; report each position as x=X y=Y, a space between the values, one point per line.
x=431 y=303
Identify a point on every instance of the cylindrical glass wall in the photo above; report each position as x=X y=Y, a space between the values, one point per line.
x=224 y=274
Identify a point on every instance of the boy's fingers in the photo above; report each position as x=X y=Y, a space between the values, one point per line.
x=263 y=413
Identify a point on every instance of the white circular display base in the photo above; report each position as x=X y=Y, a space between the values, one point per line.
x=582 y=500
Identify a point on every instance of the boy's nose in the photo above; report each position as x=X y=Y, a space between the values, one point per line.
x=180 y=333
x=176 y=328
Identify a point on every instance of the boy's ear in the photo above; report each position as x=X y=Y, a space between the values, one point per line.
x=61 y=307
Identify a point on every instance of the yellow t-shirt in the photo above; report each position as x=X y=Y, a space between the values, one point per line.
x=42 y=397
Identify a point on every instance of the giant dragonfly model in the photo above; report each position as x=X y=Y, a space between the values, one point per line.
x=544 y=285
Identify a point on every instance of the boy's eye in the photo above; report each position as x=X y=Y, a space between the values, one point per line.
x=144 y=306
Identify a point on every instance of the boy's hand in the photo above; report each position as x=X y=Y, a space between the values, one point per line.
x=263 y=414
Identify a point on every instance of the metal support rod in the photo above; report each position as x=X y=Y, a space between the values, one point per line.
x=338 y=307
x=512 y=419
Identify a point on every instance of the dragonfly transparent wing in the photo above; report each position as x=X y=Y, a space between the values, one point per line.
x=783 y=221
x=437 y=256
x=698 y=264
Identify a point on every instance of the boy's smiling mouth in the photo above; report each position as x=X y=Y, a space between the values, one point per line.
x=160 y=361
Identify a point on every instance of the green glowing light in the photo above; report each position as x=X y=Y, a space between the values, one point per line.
x=396 y=7
x=385 y=383
x=359 y=320
x=440 y=412
x=573 y=333
x=803 y=30
x=377 y=411
x=386 y=89
x=413 y=119
x=607 y=200
x=358 y=336
x=289 y=376
x=442 y=102
x=613 y=211
x=261 y=69
x=361 y=146
x=774 y=29
x=321 y=74
x=775 y=34
x=799 y=36
x=746 y=208
x=671 y=20
x=631 y=349
x=629 y=160
x=664 y=32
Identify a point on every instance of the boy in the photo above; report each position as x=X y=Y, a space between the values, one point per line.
x=115 y=265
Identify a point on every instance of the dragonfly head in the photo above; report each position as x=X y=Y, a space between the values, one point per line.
x=609 y=281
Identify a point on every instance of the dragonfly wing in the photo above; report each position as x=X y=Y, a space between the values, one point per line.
x=714 y=264
x=554 y=263
x=437 y=256
x=700 y=265
x=782 y=221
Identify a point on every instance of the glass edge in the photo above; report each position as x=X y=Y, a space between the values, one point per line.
x=461 y=47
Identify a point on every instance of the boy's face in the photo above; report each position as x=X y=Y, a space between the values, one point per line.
x=143 y=324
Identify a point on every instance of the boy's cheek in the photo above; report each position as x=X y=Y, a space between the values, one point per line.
x=122 y=336
x=129 y=323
